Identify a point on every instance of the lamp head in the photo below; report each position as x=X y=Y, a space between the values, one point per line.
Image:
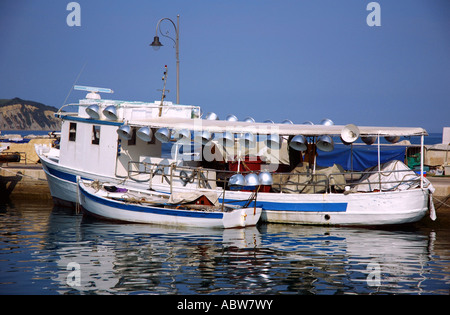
x=145 y=134
x=226 y=139
x=251 y=179
x=265 y=178
x=231 y=118
x=237 y=180
x=163 y=135
x=325 y=143
x=247 y=140
x=93 y=111
x=156 y=44
x=110 y=112
x=273 y=141
x=202 y=137
x=183 y=136
x=125 y=132
x=211 y=116
x=299 y=143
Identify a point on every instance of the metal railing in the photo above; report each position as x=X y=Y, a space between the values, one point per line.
x=306 y=182
x=202 y=177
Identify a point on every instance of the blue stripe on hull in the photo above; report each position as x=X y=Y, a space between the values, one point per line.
x=153 y=210
x=63 y=175
x=299 y=206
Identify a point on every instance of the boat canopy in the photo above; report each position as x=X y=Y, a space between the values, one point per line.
x=270 y=128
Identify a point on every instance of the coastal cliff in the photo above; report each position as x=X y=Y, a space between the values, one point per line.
x=18 y=114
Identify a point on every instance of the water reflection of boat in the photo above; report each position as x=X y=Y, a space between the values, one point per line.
x=141 y=258
x=268 y=259
x=343 y=258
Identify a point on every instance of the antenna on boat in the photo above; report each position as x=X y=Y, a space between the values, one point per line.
x=93 y=91
x=163 y=96
x=76 y=80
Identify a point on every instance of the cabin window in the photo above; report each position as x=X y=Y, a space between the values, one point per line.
x=95 y=134
x=72 y=131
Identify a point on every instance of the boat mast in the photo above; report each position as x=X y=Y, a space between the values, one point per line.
x=163 y=96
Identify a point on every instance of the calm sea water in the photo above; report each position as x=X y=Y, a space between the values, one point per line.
x=45 y=249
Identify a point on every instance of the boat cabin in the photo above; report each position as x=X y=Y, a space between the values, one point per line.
x=90 y=141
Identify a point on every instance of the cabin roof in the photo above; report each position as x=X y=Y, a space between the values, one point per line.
x=269 y=128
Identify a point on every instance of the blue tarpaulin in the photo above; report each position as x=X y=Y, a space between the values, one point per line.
x=364 y=156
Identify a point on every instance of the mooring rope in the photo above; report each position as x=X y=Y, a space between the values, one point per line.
x=23 y=175
x=442 y=203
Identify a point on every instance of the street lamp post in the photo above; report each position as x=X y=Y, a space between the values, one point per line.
x=156 y=44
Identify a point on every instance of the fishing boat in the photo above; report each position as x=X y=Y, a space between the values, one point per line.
x=120 y=203
x=124 y=142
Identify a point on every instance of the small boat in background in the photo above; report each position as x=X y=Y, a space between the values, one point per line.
x=197 y=209
x=9 y=157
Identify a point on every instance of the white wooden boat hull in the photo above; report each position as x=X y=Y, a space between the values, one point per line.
x=98 y=205
x=380 y=208
x=374 y=208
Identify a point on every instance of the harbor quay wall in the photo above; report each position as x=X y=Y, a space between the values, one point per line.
x=23 y=182
x=24 y=179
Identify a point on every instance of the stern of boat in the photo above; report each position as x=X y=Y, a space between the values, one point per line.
x=241 y=217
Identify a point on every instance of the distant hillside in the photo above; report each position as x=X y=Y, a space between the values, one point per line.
x=18 y=114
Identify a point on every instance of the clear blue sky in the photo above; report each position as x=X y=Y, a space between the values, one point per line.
x=277 y=59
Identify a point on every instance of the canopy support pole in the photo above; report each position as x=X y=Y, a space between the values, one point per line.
x=379 y=161
x=421 y=161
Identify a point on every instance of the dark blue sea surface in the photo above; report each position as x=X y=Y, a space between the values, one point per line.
x=45 y=249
